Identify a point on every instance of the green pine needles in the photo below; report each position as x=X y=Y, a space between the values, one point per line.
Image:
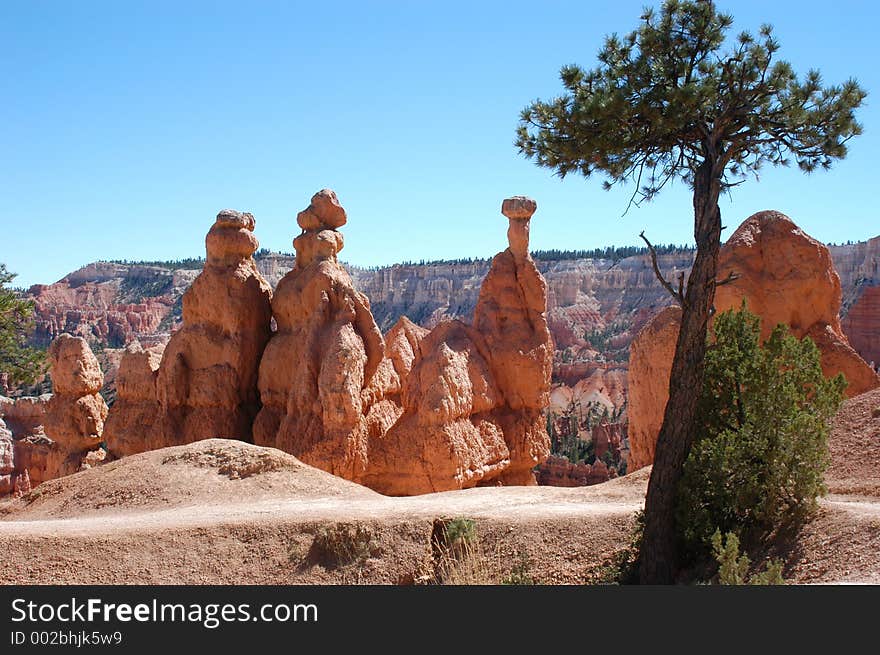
x=758 y=465
x=22 y=363
x=677 y=91
x=734 y=568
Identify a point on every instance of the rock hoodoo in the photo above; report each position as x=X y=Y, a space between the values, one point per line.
x=511 y=315
x=472 y=400
x=412 y=413
x=607 y=437
x=206 y=383
x=315 y=374
x=7 y=460
x=446 y=437
x=59 y=434
x=785 y=276
x=132 y=424
x=650 y=365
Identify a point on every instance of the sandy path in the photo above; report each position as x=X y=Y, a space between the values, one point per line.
x=501 y=504
x=563 y=537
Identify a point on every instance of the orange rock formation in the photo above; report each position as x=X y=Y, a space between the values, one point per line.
x=416 y=412
x=316 y=370
x=861 y=324
x=62 y=433
x=650 y=365
x=7 y=460
x=133 y=424
x=473 y=398
x=511 y=315
x=206 y=383
x=785 y=276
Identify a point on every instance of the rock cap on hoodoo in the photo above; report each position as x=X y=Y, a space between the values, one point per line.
x=75 y=369
x=231 y=238
x=323 y=212
x=519 y=208
x=236 y=219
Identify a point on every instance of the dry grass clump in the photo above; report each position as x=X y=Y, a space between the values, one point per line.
x=462 y=559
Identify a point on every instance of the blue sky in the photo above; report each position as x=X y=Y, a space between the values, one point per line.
x=126 y=126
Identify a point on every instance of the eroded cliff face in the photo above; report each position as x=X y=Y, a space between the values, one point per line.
x=424 y=293
x=559 y=472
x=112 y=305
x=859 y=268
x=862 y=323
x=856 y=263
x=107 y=304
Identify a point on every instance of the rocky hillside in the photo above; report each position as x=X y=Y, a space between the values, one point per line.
x=859 y=267
x=592 y=302
x=596 y=305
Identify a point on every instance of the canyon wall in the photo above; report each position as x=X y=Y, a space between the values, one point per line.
x=858 y=265
x=595 y=306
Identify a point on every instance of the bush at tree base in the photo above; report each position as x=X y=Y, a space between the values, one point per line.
x=758 y=464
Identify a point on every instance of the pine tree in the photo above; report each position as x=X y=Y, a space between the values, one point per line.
x=22 y=363
x=672 y=100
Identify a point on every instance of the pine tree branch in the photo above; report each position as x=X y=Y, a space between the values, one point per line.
x=677 y=295
x=731 y=277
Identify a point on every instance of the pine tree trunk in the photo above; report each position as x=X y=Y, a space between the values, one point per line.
x=657 y=560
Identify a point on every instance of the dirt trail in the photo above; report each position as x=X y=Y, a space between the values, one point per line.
x=858 y=505
x=491 y=504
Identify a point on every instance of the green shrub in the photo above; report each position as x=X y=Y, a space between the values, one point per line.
x=758 y=465
x=733 y=568
x=23 y=364
x=459 y=558
x=520 y=573
x=459 y=531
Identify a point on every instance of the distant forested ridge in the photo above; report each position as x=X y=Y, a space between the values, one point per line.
x=614 y=253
